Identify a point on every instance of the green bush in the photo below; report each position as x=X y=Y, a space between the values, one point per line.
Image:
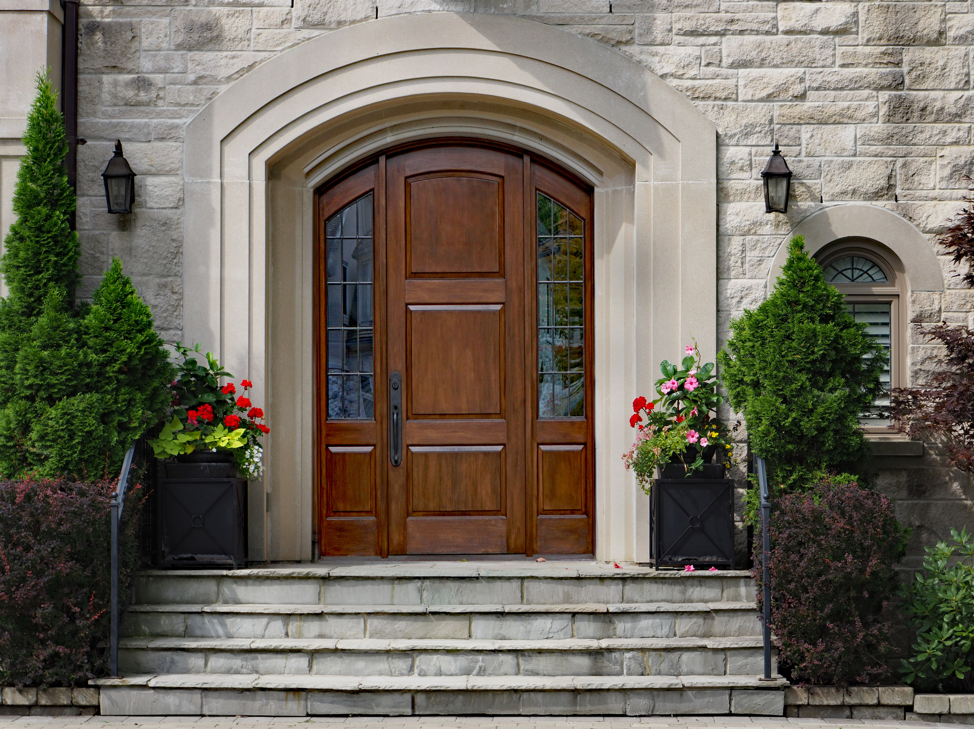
x=940 y=605
x=801 y=370
x=78 y=383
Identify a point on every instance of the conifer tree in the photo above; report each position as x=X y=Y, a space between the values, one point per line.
x=41 y=250
x=801 y=370
x=77 y=383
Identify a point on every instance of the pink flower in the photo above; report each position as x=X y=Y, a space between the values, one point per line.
x=689 y=568
x=693 y=412
x=691 y=384
x=690 y=349
x=693 y=436
x=671 y=386
x=713 y=569
x=704 y=442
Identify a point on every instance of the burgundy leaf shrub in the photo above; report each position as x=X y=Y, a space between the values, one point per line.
x=55 y=579
x=833 y=552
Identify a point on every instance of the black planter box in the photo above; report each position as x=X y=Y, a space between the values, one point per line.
x=202 y=521
x=692 y=522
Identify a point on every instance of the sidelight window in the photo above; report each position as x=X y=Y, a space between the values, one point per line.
x=349 y=307
x=872 y=297
x=561 y=311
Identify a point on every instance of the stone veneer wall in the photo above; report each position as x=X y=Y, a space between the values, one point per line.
x=871 y=101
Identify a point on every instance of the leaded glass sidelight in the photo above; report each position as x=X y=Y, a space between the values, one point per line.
x=561 y=311
x=348 y=310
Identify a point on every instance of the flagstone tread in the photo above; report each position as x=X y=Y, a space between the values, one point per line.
x=554 y=569
x=303 y=609
x=369 y=645
x=437 y=683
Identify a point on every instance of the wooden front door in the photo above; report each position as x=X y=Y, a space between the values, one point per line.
x=454 y=357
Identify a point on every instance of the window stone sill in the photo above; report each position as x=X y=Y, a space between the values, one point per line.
x=895 y=447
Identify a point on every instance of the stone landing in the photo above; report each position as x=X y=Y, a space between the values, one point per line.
x=413 y=638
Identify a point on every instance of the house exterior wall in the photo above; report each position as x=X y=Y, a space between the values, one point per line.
x=871 y=102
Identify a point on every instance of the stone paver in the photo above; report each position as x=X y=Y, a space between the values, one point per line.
x=447 y=722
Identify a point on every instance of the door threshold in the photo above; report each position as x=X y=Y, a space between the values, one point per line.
x=393 y=559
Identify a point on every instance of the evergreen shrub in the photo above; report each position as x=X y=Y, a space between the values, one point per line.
x=55 y=579
x=940 y=604
x=832 y=569
x=78 y=383
x=801 y=370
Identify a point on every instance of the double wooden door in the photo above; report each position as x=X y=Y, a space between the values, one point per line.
x=454 y=357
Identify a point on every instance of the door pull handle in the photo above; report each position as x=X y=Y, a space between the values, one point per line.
x=395 y=418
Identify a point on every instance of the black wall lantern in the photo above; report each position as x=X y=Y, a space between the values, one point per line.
x=119 y=182
x=777 y=183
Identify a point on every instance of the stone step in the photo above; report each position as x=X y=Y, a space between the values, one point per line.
x=284 y=695
x=456 y=584
x=399 y=658
x=484 y=622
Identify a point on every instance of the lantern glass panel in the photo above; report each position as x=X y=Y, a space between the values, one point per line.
x=777 y=193
x=117 y=197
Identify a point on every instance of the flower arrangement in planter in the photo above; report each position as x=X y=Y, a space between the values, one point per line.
x=679 y=427
x=209 y=417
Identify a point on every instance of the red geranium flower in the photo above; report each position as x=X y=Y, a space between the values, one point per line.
x=680 y=418
x=191 y=415
x=205 y=412
x=634 y=420
x=243 y=402
x=638 y=404
x=255 y=413
x=264 y=429
x=231 y=421
x=228 y=389
x=246 y=384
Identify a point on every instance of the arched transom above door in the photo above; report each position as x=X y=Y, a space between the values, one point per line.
x=255 y=155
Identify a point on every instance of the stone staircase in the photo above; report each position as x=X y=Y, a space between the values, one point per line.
x=404 y=638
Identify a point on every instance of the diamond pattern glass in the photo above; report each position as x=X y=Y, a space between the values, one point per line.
x=349 y=307
x=561 y=311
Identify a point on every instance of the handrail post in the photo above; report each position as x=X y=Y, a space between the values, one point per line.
x=113 y=655
x=766 y=550
x=117 y=505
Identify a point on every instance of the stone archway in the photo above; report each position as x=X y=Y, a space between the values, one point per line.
x=254 y=155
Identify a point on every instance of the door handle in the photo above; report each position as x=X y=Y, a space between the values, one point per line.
x=395 y=418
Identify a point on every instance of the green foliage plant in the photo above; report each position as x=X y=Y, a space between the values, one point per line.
x=680 y=424
x=801 y=370
x=940 y=606
x=78 y=383
x=209 y=416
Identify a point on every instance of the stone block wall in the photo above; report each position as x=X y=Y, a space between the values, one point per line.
x=870 y=101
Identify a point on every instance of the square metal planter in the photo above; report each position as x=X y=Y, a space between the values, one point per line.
x=692 y=522
x=202 y=521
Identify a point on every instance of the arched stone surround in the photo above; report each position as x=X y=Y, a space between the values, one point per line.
x=254 y=155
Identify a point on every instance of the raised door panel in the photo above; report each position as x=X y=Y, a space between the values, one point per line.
x=455 y=225
x=456 y=361
x=351 y=480
x=561 y=473
x=456 y=480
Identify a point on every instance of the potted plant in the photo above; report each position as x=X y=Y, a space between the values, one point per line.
x=208 y=449
x=678 y=437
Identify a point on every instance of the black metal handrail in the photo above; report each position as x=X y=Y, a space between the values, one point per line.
x=117 y=505
x=765 y=551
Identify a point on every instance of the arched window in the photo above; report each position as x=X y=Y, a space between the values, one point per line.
x=871 y=279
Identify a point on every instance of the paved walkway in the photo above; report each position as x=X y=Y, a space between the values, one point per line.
x=448 y=722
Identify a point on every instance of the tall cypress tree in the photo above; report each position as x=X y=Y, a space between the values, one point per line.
x=802 y=370
x=41 y=250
